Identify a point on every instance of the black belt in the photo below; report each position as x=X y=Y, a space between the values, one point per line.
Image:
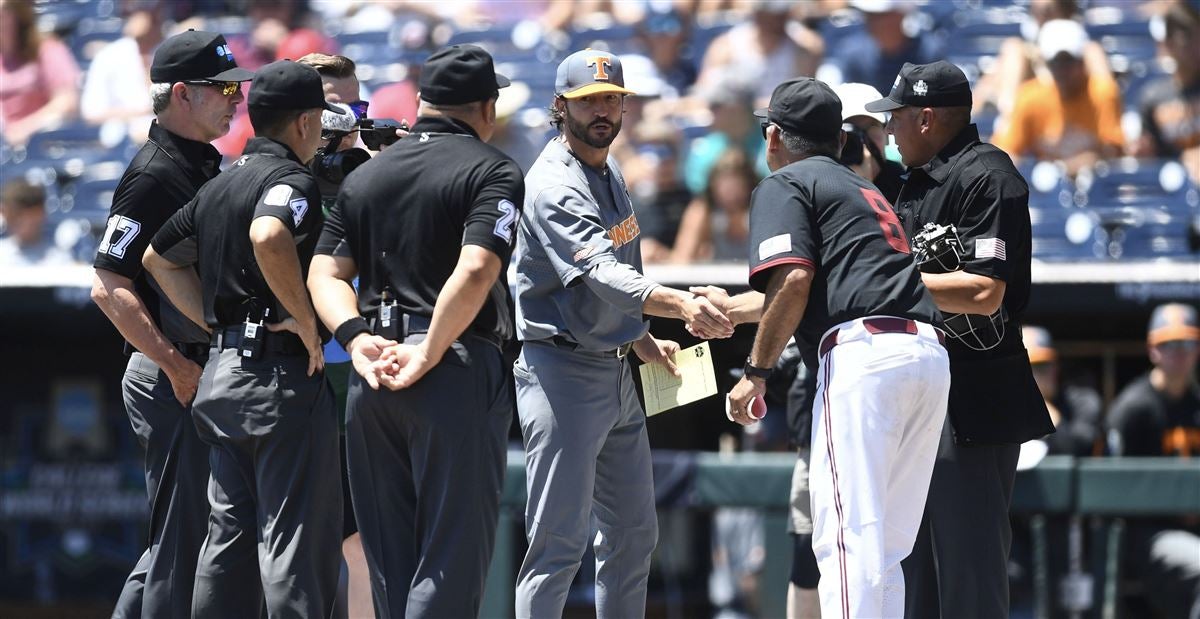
x=191 y=350
x=415 y=323
x=281 y=342
x=619 y=352
x=882 y=324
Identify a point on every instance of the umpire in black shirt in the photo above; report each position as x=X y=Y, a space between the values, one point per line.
x=194 y=92
x=427 y=225
x=263 y=403
x=959 y=566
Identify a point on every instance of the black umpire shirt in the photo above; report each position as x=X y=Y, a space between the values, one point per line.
x=973 y=185
x=821 y=215
x=164 y=175
x=267 y=181
x=404 y=216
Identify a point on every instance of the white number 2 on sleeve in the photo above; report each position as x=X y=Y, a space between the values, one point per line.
x=129 y=230
x=504 y=225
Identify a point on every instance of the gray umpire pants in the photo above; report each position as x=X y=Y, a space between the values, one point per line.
x=176 y=468
x=426 y=468
x=589 y=479
x=959 y=563
x=275 y=528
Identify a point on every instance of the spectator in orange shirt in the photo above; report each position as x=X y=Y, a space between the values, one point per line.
x=1170 y=107
x=1075 y=118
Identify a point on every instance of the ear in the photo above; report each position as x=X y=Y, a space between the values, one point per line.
x=773 y=141
x=489 y=111
x=180 y=92
x=925 y=119
x=841 y=140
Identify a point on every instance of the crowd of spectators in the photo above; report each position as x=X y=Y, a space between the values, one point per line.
x=1047 y=90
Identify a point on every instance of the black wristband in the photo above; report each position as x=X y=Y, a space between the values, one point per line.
x=347 y=331
x=752 y=371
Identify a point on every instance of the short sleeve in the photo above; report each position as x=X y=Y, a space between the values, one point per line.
x=288 y=200
x=180 y=228
x=491 y=222
x=782 y=229
x=993 y=223
x=569 y=228
x=139 y=208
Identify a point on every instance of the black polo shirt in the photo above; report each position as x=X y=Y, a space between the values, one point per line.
x=974 y=185
x=267 y=181
x=164 y=175
x=821 y=215
x=404 y=216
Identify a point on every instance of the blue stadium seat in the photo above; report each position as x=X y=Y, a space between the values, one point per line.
x=617 y=37
x=90 y=200
x=91 y=34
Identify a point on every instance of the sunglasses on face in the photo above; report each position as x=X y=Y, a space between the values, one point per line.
x=359 y=108
x=1178 y=346
x=763 y=126
x=227 y=88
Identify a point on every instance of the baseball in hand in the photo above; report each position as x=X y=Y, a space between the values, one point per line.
x=758 y=407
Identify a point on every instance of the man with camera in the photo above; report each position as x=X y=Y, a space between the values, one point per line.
x=427 y=225
x=965 y=207
x=194 y=91
x=263 y=403
x=866 y=139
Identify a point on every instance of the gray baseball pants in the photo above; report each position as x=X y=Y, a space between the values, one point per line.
x=426 y=468
x=275 y=528
x=176 y=468
x=589 y=479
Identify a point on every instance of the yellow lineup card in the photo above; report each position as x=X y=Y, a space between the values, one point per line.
x=696 y=380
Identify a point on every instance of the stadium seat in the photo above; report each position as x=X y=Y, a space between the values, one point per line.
x=90 y=35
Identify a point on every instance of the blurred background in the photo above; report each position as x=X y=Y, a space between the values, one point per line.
x=1113 y=170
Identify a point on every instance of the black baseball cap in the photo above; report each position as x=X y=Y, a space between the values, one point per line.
x=196 y=55
x=289 y=85
x=937 y=84
x=460 y=74
x=805 y=107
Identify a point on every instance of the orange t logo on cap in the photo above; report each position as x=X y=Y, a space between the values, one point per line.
x=601 y=63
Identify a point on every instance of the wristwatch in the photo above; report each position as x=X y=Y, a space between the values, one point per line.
x=750 y=371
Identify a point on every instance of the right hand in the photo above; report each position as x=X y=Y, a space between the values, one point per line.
x=185 y=379
x=705 y=320
x=308 y=335
x=365 y=350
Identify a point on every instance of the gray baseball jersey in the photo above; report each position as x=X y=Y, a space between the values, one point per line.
x=578 y=258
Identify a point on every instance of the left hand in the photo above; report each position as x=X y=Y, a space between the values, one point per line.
x=402 y=365
x=651 y=350
x=741 y=397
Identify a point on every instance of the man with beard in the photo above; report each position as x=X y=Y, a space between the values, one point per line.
x=581 y=307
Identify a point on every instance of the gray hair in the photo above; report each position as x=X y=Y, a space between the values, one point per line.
x=809 y=147
x=160 y=97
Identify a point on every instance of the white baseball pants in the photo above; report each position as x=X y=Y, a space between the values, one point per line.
x=877 y=417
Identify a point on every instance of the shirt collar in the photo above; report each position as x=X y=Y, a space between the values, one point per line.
x=197 y=154
x=442 y=124
x=270 y=147
x=939 y=167
x=560 y=152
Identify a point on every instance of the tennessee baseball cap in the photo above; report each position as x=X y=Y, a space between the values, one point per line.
x=289 y=85
x=1173 y=322
x=1062 y=36
x=460 y=74
x=196 y=55
x=855 y=97
x=937 y=84
x=588 y=72
x=805 y=107
x=1039 y=345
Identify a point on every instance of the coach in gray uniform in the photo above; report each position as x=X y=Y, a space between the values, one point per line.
x=195 y=91
x=581 y=301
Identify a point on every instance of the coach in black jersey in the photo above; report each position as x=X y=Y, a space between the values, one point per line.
x=961 y=554
x=194 y=91
x=837 y=273
x=428 y=227
x=263 y=403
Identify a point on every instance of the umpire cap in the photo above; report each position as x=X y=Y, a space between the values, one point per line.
x=196 y=55
x=937 y=84
x=289 y=85
x=460 y=74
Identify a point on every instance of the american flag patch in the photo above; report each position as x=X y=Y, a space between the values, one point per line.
x=990 y=248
